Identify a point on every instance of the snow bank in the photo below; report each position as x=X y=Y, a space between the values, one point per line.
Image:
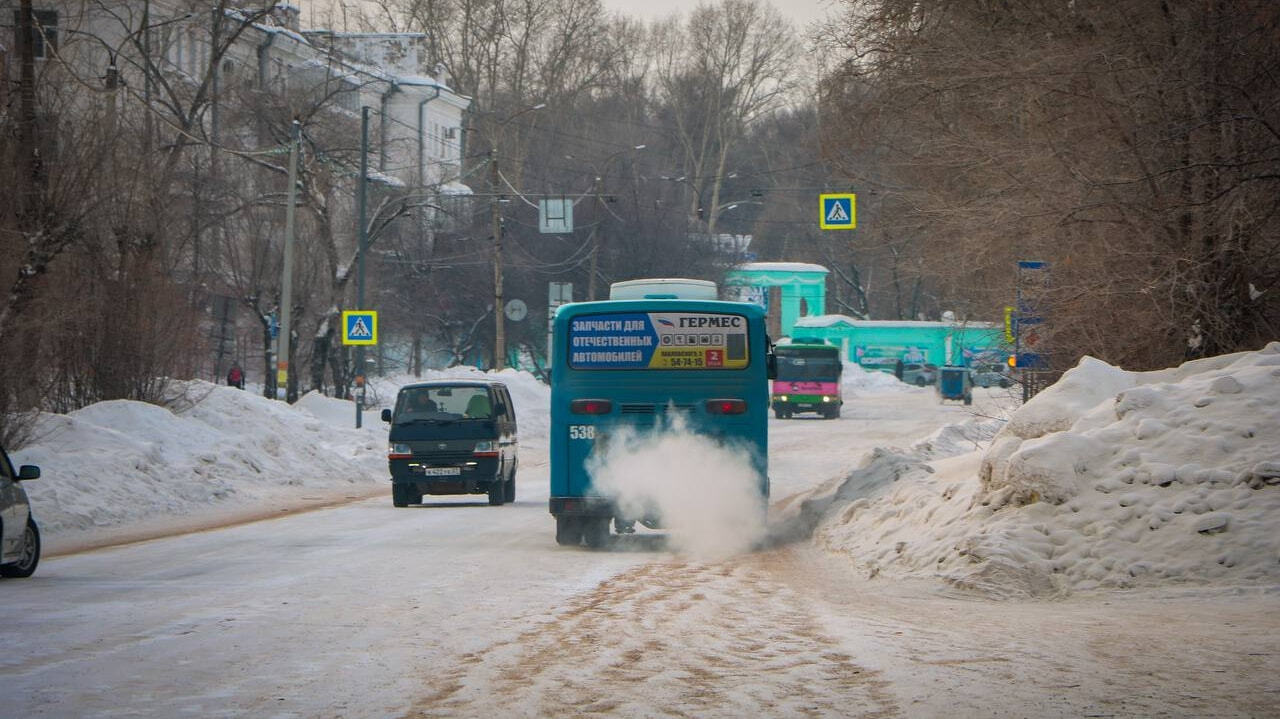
x=531 y=397
x=119 y=467
x=1108 y=479
x=855 y=379
x=968 y=436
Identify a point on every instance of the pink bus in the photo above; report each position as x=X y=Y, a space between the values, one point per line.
x=808 y=379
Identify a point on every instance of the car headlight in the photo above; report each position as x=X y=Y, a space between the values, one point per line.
x=782 y=398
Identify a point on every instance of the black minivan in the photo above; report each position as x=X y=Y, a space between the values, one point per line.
x=452 y=437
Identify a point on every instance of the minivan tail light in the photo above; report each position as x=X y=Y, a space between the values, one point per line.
x=399 y=451
x=591 y=406
x=486 y=448
x=726 y=406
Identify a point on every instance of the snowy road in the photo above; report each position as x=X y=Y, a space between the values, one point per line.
x=461 y=609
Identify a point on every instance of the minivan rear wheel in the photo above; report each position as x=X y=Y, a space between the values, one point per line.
x=28 y=554
x=497 y=492
x=399 y=495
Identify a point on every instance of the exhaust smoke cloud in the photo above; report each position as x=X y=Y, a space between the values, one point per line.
x=706 y=491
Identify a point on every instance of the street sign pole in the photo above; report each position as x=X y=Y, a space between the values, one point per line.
x=286 y=282
x=364 y=241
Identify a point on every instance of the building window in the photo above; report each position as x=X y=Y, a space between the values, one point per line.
x=44 y=31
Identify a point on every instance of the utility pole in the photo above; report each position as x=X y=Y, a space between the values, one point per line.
x=595 y=243
x=32 y=211
x=597 y=232
x=499 y=336
x=146 y=78
x=362 y=235
x=284 y=339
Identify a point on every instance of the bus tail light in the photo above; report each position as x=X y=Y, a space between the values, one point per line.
x=591 y=406
x=726 y=406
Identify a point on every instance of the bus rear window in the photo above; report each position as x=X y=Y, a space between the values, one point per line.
x=659 y=340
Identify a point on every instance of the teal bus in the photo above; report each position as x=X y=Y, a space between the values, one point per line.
x=655 y=350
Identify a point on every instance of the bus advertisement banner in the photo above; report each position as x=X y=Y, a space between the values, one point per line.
x=658 y=340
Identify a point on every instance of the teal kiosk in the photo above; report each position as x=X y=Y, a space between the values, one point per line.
x=878 y=344
x=796 y=307
x=802 y=291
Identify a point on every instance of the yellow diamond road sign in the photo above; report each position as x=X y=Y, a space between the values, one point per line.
x=839 y=211
x=359 y=327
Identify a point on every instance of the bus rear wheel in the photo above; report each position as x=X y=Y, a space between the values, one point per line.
x=568 y=531
x=595 y=531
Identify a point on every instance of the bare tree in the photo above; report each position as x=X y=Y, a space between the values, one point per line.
x=727 y=66
x=1129 y=144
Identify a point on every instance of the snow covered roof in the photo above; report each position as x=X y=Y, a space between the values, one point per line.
x=334 y=33
x=266 y=24
x=781 y=267
x=453 y=187
x=420 y=81
x=384 y=178
x=832 y=320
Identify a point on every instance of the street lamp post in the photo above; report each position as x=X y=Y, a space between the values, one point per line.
x=495 y=212
x=695 y=210
x=495 y=217
x=596 y=233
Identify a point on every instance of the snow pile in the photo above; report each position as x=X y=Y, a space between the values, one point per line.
x=118 y=462
x=855 y=379
x=531 y=397
x=1108 y=479
x=128 y=468
x=969 y=436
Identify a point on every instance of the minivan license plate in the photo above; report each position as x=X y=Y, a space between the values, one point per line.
x=441 y=471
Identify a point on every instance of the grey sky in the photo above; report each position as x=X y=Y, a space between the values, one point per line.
x=799 y=12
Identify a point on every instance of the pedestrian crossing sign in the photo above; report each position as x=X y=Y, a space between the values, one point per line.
x=839 y=211
x=359 y=327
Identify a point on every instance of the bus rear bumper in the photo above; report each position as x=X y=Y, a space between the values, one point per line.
x=582 y=507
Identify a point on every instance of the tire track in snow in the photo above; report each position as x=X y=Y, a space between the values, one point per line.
x=670 y=638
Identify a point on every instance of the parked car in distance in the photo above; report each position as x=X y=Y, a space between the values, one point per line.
x=19 y=535
x=452 y=437
x=990 y=376
x=919 y=374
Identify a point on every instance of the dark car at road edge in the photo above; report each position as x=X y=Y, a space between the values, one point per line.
x=19 y=535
